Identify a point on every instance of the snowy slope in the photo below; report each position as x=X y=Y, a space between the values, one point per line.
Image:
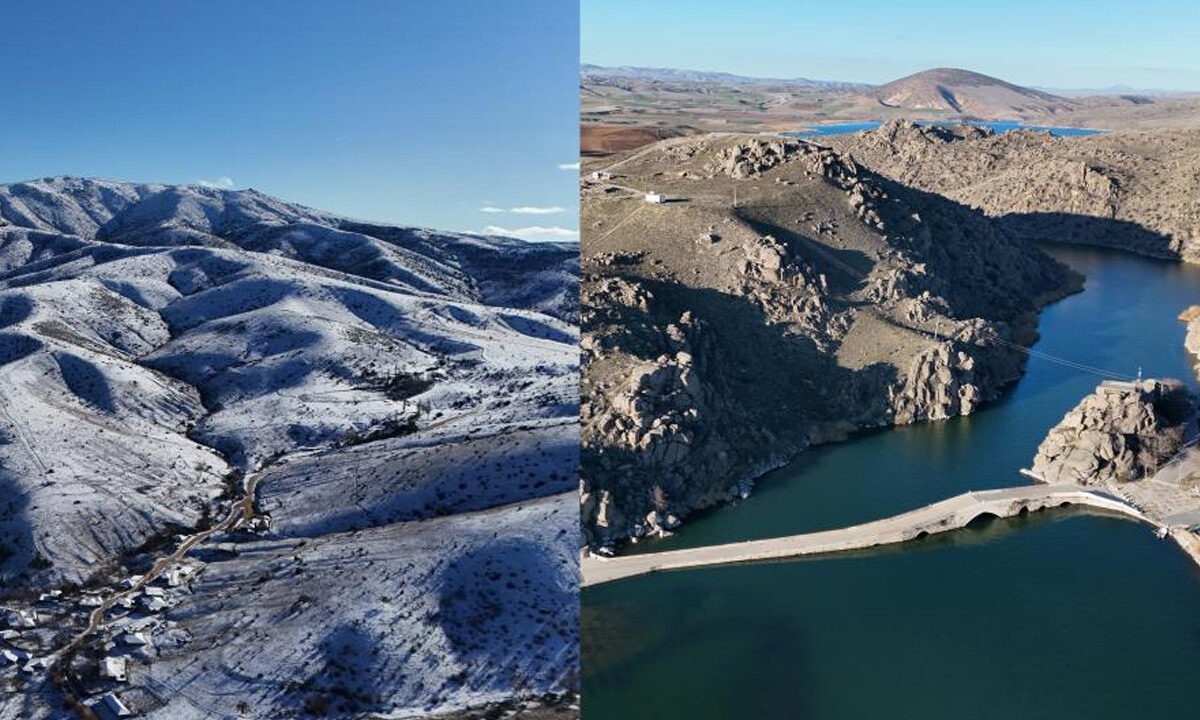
x=406 y=400
x=392 y=620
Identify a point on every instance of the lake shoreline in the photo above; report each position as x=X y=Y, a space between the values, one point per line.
x=996 y=126
x=839 y=432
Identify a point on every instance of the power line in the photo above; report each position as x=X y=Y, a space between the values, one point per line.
x=1061 y=360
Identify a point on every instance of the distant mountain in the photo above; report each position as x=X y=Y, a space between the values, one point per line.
x=1119 y=90
x=646 y=74
x=43 y=216
x=967 y=93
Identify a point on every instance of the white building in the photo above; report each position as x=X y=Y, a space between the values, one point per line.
x=114 y=668
x=155 y=604
x=655 y=198
x=179 y=575
x=23 y=619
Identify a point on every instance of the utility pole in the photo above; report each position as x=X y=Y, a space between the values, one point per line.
x=735 y=196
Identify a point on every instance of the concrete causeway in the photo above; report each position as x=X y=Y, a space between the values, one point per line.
x=943 y=516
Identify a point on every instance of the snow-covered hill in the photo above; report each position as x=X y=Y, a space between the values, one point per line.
x=158 y=344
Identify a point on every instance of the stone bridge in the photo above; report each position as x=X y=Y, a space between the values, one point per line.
x=943 y=516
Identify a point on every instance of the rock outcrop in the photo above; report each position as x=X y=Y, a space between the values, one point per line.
x=731 y=336
x=1191 y=341
x=1123 y=431
x=1133 y=191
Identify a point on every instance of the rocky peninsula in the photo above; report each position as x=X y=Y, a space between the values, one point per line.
x=771 y=295
x=1122 y=432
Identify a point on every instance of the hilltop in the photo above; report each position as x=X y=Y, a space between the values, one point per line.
x=1134 y=191
x=963 y=92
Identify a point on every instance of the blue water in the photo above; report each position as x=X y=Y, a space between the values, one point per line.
x=1058 y=615
x=1123 y=321
x=997 y=126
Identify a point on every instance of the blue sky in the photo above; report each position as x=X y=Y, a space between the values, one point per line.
x=1056 y=43
x=410 y=112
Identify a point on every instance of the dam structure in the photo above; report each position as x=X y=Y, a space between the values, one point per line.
x=944 y=516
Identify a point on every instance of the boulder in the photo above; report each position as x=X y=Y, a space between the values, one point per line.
x=1124 y=431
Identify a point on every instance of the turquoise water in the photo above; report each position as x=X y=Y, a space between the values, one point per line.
x=1057 y=615
x=998 y=126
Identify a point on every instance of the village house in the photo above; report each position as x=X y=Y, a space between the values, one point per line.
x=111 y=706
x=114 y=668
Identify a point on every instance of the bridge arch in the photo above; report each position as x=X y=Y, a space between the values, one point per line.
x=983 y=515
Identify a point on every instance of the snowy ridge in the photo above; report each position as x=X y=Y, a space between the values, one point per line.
x=37 y=214
x=388 y=387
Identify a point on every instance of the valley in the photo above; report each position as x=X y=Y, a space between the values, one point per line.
x=258 y=455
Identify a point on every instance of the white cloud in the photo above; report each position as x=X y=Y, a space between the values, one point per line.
x=528 y=210
x=222 y=183
x=534 y=232
x=569 y=166
x=525 y=209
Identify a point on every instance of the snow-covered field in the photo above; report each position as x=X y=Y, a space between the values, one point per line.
x=407 y=401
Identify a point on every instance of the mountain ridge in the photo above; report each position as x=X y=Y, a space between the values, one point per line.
x=389 y=413
x=663 y=74
x=157 y=215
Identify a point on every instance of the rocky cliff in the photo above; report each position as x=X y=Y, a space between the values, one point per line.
x=1121 y=432
x=783 y=296
x=1191 y=317
x=1134 y=191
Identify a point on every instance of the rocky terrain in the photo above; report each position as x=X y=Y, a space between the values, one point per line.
x=1132 y=190
x=1191 y=317
x=1124 y=431
x=782 y=295
x=400 y=405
